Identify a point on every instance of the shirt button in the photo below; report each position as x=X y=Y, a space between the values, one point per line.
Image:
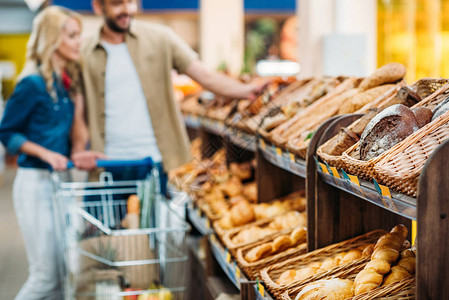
x=56 y=107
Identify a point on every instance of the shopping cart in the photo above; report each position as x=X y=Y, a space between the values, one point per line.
x=101 y=260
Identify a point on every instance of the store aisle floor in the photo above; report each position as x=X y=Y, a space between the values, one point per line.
x=13 y=262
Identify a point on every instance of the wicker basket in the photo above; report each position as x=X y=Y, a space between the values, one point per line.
x=401 y=166
x=404 y=289
x=252 y=269
x=365 y=169
x=272 y=273
x=232 y=247
x=424 y=88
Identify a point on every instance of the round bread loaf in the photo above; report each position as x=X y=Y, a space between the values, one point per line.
x=388 y=73
x=423 y=115
x=386 y=129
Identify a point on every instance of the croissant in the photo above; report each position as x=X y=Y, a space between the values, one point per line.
x=386 y=252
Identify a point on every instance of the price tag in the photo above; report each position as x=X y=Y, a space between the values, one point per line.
x=335 y=172
x=237 y=272
x=414 y=231
x=207 y=224
x=354 y=179
x=262 y=144
x=278 y=151
x=213 y=238
x=261 y=289
x=228 y=256
x=292 y=157
x=324 y=168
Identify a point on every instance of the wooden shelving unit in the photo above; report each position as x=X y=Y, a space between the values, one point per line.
x=338 y=209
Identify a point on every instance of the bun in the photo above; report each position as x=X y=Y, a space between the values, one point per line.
x=258 y=252
x=241 y=170
x=281 y=243
x=423 y=115
x=242 y=213
x=388 y=73
x=335 y=289
x=386 y=129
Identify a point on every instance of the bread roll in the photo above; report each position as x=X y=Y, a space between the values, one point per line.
x=362 y=98
x=380 y=266
x=241 y=170
x=250 y=191
x=386 y=129
x=242 y=213
x=287 y=277
x=350 y=256
x=397 y=274
x=423 y=115
x=259 y=252
x=388 y=73
x=281 y=243
x=332 y=289
x=368 y=251
x=298 y=236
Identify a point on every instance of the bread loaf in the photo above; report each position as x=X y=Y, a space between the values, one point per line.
x=388 y=73
x=386 y=129
x=386 y=252
x=242 y=213
x=332 y=289
x=361 y=98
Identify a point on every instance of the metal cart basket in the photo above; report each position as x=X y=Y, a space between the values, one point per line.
x=101 y=260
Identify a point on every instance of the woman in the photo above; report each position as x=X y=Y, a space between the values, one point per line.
x=37 y=124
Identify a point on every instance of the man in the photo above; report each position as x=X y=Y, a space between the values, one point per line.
x=131 y=109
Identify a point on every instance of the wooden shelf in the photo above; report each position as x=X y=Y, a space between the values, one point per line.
x=242 y=139
x=398 y=203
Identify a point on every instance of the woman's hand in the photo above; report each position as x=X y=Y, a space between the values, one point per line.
x=56 y=160
x=86 y=160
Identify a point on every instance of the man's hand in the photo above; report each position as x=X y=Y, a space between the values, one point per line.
x=254 y=90
x=86 y=160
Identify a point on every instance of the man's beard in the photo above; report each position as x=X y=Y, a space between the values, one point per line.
x=114 y=27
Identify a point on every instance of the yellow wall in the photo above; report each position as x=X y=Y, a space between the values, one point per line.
x=12 y=48
x=416 y=34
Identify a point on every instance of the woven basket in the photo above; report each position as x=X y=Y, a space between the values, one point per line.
x=252 y=269
x=424 y=88
x=365 y=169
x=404 y=289
x=272 y=273
x=401 y=166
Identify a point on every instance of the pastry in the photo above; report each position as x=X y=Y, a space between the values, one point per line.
x=298 y=236
x=259 y=252
x=241 y=170
x=286 y=277
x=281 y=243
x=250 y=191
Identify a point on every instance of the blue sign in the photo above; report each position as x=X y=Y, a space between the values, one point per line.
x=158 y=5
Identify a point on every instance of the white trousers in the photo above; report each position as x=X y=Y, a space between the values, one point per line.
x=32 y=194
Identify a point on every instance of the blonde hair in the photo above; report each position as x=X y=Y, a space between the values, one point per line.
x=44 y=40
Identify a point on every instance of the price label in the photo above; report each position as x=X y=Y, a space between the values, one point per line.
x=262 y=144
x=335 y=172
x=414 y=231
x=278 y=151
x=213 y=238
x=207 y=224
x=324 y=168
x=292 y=157
x=354 y=179
x=237 y=272
x=261 y=289
x=228 y=256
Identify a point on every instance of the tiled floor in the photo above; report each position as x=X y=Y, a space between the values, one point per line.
x=13 y=262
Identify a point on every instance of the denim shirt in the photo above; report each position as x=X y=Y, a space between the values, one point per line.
x=31 y=114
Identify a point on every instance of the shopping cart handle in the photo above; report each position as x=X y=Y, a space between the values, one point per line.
x=108 y=163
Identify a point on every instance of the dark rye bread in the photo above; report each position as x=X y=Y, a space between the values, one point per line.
x=423 y=115
x=386 y=129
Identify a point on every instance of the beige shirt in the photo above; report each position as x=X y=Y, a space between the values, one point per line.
x=155 y=50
